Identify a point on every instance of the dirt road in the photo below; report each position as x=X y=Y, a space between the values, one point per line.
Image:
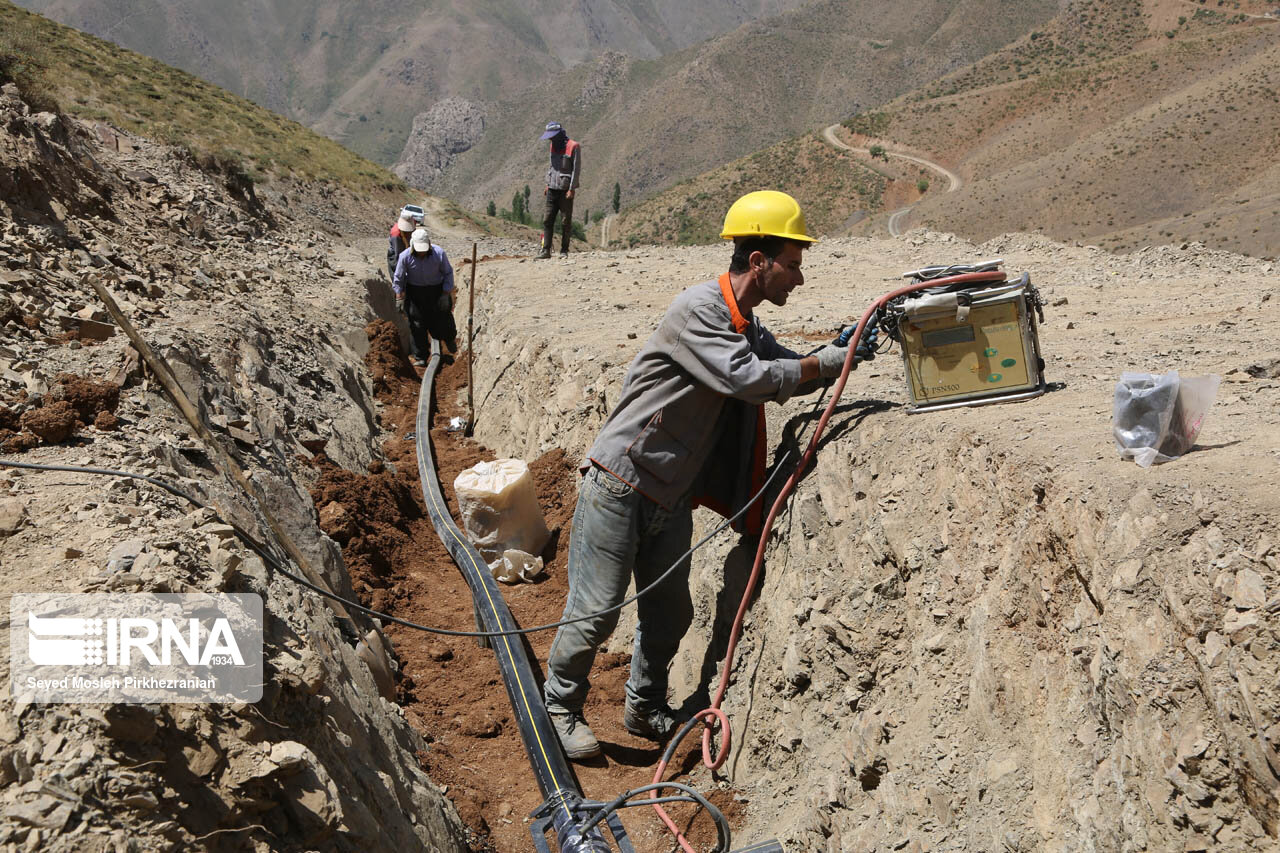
x=895 y=219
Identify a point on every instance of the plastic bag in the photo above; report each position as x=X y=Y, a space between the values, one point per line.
x=1156 y=418
x=501 y=516
x=516 y=566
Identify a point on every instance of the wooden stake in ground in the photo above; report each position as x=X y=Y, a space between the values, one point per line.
x=471 y=312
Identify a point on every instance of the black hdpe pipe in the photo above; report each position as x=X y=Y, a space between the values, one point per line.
x=555 y=781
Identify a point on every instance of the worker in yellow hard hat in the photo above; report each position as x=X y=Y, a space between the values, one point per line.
x=688 y=431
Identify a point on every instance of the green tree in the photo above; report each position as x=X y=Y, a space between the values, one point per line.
x=493 y=208
x=526 y=196
x=617 y=197
x=922 y=185
x=517 y=208
x=878 y=151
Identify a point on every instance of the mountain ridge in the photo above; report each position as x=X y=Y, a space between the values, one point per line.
x=718 y=101
x=360 y=72
x=1104 y=126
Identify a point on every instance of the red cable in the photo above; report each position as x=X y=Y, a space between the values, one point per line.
x=714 y=711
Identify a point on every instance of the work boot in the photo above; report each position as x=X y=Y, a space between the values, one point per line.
x=564 y=256
x=656 y=724
x=544 y=256
x=575 y=735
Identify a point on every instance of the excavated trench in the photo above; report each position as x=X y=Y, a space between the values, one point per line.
x=962 y=641
x=450 y=687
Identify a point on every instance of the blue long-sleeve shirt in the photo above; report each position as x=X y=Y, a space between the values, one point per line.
x=426 y=270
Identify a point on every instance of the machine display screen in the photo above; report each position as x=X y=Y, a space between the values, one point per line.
x=946 y=337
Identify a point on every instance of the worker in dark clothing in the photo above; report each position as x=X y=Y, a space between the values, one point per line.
x=423 y=282
x=411 y=217
x=562 y=179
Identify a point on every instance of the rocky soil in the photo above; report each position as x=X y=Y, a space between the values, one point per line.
x=978 y=629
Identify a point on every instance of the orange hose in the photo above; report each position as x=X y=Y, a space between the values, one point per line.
x=714 y=712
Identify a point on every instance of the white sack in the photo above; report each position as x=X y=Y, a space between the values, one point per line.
x=500 y=514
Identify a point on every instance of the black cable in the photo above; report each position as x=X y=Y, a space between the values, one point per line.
x=268 y=558
x=652 y=802
x=722 y=825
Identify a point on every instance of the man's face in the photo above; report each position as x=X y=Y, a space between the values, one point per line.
x=783 y=275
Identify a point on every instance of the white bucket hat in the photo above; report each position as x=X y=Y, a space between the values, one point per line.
x=420 y=242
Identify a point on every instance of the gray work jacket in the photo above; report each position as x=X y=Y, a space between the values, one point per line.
x=687 y=417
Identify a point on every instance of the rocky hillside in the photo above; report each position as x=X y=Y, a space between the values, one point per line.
x=361 y=72
x=248 y=306
x=1170 y=139
x=63 y=69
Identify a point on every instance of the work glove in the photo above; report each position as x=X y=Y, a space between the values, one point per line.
x=400 y=302
x=866 y=349
x=830 y=361
x=445 y=302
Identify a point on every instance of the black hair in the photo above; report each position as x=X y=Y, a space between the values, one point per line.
x=769 y=245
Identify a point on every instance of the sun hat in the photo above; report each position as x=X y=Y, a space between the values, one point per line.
x=420 y=242
x=553 y=128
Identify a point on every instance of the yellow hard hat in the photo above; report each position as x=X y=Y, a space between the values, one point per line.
x=766 y=213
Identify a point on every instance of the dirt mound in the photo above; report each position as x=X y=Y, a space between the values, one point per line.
x=89 y=397
x=369 y=515
x=555 y=477
x=52 y=423
x=12 y=437
x=74 y=403
x=385 y=360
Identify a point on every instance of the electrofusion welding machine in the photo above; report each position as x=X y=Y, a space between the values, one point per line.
x=970 y=340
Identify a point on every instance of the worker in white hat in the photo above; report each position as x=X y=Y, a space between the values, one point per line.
x=423 y=283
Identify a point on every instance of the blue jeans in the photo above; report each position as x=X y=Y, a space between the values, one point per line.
x=618 y=533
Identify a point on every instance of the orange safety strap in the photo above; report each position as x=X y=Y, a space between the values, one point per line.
x=754 y=521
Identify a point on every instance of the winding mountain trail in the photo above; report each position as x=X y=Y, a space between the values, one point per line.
x=604 y=229
x=895 y=219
